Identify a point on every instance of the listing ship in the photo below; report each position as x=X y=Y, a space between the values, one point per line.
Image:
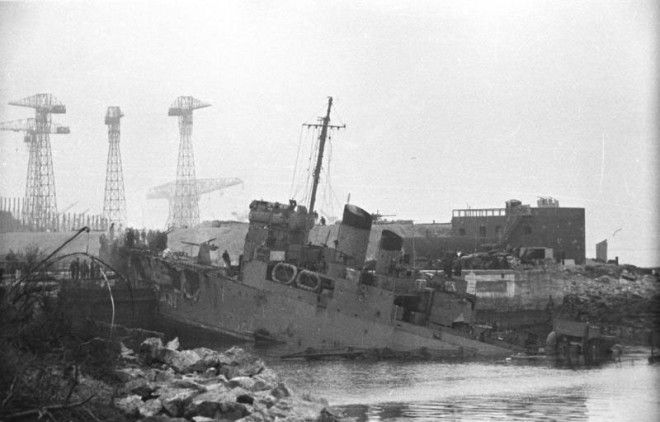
x=307 y=297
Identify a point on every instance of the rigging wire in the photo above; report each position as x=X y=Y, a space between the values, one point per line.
x=310 y=165
x=332 y=194
x=327 y=200
x=295 y=168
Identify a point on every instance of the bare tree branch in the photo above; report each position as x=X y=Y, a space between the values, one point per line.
x=42 y=410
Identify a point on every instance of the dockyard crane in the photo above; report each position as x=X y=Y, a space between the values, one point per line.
x=167 y=190
x=40 y=210
x=114 y=198
x=184 y=208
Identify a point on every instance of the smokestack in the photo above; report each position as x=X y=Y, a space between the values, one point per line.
x=353 y=237
x=389 y=249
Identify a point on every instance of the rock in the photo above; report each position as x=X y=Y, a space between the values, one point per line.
x=265 y=401
x=212 y=355
x=209 y=359
x=128 y=374
x=260 y=385
x=180 y=361
x=134 y=337
x=219 y=386
x=175 y=400
x=280 y=409
x=160 y=375
x=207 y=404
x=246 y=383
x=141 y=387
x=245 y=399
x=255 y=417
x=269 y=378
x=210 y=372
x=296 y=409
x=233 y=410
x=189 y=382
x=329 y=414
x=229 y=371
x=173 y=344
x=163 y=418
x=245 y=363
x=203 y=419
x=150 y=407
x=150 y=350
x=129 y=405
x=281 y=391
x=127 y=353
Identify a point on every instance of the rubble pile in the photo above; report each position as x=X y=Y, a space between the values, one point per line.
x=163 y=383
x=621 y=299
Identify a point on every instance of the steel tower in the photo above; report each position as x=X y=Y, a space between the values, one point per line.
x=40 y=210
x=114 y=202
x=184 y=208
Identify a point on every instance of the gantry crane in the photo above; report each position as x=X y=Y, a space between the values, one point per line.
x=184 y=208
x=40 y=208
x=114 y=198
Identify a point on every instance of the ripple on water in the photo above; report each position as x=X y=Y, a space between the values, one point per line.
x=389 y=391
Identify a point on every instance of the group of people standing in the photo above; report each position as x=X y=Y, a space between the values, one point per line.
x=83 y=270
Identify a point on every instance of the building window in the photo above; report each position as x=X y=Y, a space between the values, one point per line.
x=482 y=231
x=461 y=231
x=527 y=230
x=498 y=231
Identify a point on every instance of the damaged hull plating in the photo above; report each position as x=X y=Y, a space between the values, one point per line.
x=354 y=315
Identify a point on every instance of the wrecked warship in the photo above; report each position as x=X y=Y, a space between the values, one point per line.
x=305 y=297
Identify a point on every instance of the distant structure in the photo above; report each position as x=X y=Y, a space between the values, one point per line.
x=184 y=208
x=601 y=251
x=114 y=202
x=546 y=231
x=520 y=226
x=168 y=190
x=39 y=212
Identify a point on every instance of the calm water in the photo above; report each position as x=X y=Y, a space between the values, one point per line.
x=389 y=391
x=393 y=391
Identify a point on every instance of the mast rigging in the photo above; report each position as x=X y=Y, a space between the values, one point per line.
x=324 y=125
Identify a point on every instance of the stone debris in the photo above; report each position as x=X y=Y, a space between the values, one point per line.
x=206 y=385
x=621 y=299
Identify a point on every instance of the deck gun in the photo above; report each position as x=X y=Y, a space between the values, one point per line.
x=205 y=248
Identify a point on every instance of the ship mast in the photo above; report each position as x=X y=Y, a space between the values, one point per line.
x=324 y=125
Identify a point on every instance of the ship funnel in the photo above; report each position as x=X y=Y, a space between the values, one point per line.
x=353 y=237
x=389 y=250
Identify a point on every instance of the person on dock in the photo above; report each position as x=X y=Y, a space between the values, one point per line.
x=73 y=269
x=84 y=270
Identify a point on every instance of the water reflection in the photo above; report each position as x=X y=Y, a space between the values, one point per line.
x=567 y=406
x=389 y=391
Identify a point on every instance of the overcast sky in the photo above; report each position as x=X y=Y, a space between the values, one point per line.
x=447 y=104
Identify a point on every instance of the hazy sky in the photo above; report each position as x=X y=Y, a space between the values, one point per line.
x=447 y=104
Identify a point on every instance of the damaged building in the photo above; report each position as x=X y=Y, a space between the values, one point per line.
x=558 y=232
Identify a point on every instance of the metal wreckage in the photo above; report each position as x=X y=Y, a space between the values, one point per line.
x=315 y=300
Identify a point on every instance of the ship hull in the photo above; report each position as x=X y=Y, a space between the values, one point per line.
x=355 y=316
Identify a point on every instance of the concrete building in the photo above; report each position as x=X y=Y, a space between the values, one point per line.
x=518 y=225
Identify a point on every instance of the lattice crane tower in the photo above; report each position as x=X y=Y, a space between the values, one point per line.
x=40 y=210
x=184 y=208
x=114 y=201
